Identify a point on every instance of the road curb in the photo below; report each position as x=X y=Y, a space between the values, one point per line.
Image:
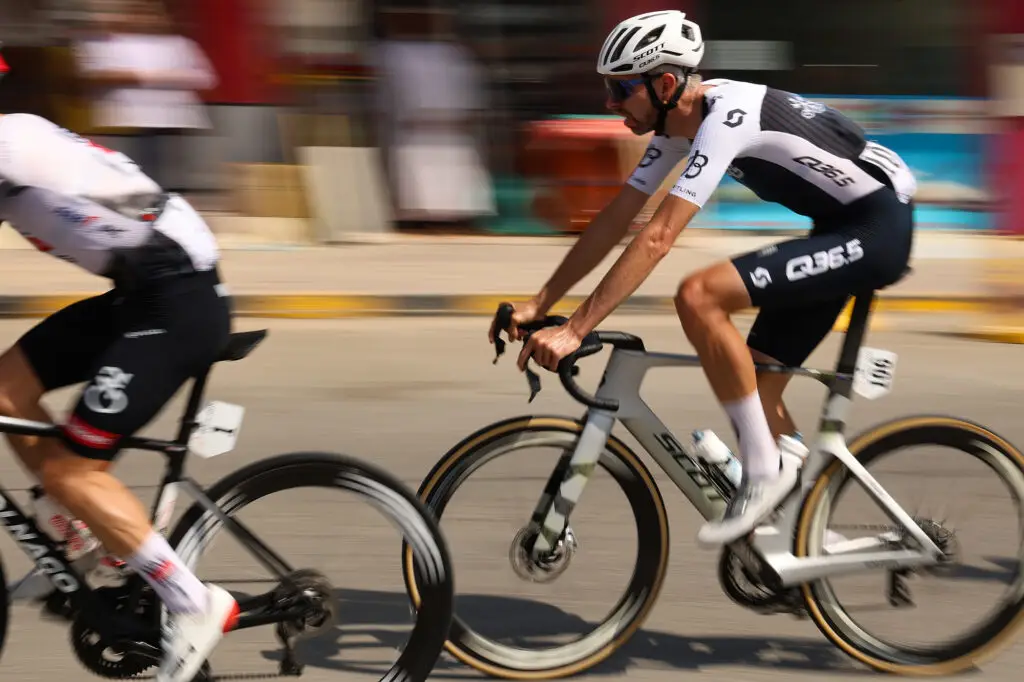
x=327 y=305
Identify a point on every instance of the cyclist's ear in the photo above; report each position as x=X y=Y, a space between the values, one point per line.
x=665 y=85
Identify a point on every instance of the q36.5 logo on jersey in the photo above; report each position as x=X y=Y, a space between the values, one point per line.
x=805 y=266
x=829 y=171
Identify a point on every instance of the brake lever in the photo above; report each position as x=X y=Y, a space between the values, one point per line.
x=532 y=378
x=533 y=381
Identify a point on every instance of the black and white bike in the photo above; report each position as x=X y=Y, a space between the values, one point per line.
x=785 y=566
x=115 y=631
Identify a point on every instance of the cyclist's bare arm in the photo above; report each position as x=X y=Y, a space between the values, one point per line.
x=644 y=252
x=605 y=231
x=721 y=137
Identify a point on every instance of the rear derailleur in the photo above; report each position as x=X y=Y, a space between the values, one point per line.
x=308 y=598
x=897 y=588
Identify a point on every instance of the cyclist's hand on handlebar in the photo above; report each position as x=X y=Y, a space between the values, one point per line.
x=523 y=312
x=548 y=347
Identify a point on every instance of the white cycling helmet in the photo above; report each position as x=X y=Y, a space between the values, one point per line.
x=647 y=41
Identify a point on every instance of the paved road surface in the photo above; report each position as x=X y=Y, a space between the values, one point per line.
x=400 y=392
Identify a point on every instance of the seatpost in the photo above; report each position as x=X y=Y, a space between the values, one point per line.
x=833 y=417
x=855 y=332
x=188 y=419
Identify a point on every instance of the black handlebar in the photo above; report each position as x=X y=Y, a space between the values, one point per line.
x=592 y=343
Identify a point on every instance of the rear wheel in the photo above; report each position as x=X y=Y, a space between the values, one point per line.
x=651 y=560
x=848 y=627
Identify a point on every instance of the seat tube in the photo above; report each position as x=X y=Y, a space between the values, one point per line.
x=554 y=510
x=833 y=417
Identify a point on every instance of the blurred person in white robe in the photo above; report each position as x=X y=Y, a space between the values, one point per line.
x=429 y=98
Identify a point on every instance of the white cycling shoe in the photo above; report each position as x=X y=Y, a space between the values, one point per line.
x=190 y=638
x=754 y=501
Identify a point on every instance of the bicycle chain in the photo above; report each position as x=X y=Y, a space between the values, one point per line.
x=231 y=676
x=251 y=676
x=863 y=526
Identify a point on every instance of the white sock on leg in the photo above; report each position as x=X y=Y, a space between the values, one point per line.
x=179 y=589
x=758 y=450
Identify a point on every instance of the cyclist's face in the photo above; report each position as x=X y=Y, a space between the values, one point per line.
x=628 y=97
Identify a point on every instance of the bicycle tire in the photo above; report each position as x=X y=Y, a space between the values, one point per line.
x=396 y=501
x=499 y=660
x=966 y=652
x=5 y=608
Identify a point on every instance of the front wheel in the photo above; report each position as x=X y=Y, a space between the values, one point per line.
x=198 y=526
x=976 y=453
x=650 y=563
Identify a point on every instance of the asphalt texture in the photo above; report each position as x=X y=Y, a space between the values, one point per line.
x=400 y=392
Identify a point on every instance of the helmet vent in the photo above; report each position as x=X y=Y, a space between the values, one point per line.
x=651 y=37
x=622 y=44
x=611 y=44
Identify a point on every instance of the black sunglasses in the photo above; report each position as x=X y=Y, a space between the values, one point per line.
x=620 y=90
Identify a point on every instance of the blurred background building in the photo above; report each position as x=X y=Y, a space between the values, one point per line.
x=487 y=116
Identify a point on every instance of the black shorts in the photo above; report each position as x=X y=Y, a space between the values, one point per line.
x=135 y=349
x=802 y=285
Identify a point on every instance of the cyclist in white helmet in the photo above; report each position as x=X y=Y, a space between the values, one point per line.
x=787 y=150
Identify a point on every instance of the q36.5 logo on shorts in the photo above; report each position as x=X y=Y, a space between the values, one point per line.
x=810 y=265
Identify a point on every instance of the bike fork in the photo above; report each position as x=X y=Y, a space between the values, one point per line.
x=565 y=486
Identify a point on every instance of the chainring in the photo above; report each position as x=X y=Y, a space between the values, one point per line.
x=103 y=657
x=751 y=592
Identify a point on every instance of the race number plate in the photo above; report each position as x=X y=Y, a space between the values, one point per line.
x=875 y=372
x=217 y=430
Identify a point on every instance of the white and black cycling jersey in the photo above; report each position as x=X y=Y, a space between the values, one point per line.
x=86 y=204
x=788 y=150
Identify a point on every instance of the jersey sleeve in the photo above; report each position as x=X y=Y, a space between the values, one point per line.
x=660 y=157
x=729 y=128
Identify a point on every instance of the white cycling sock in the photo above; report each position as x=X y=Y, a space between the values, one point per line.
x=179 y=589
x=758 y=450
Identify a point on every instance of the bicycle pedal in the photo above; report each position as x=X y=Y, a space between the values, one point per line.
x=205 y=673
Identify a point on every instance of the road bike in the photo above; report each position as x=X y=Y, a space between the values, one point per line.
x=785 y=566
x=115 y=630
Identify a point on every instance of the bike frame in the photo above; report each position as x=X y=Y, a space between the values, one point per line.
x=48 y=557
x=621 y=382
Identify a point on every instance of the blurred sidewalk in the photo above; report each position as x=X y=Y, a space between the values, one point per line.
x=966 y=278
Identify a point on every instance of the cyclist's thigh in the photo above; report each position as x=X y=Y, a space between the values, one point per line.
x=811 y=269
x=164 y=343
x=790 y=335
x=864 y=249
x=62 y=348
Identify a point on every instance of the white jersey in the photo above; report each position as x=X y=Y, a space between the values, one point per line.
x=786 y=149
x=86 y=204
